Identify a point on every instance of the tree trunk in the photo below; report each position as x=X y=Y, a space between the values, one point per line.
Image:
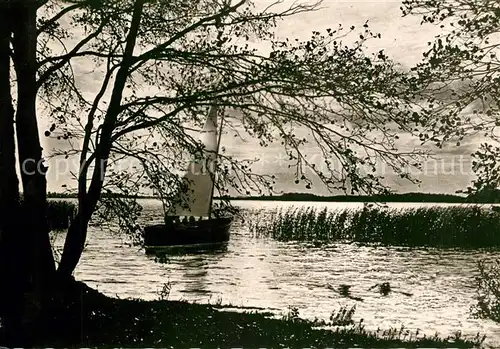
x=33 y=170
x=77 y=233
x=35 y=262
x=10 y=292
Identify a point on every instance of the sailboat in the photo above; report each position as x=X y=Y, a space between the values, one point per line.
x=189 y=220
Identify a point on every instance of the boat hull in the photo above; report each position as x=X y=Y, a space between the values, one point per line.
x=210 y=231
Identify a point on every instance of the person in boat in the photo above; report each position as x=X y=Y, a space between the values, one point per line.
x=170 y=220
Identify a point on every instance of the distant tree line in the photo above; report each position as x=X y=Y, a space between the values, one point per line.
x=486 y=196
x=55 y=195
x=403 y=197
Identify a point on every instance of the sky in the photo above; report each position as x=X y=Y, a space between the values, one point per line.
x=403 y=39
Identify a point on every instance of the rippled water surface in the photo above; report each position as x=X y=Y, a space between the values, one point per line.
x=260 y=272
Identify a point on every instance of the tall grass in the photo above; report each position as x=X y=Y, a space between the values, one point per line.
x=455 y=226
x=60 y=213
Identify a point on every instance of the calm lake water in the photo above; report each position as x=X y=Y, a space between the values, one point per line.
x=260 y=272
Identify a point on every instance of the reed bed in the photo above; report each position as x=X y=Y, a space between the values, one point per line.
x=454 y=226
x=60 y=213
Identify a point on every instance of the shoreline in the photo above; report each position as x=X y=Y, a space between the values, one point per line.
x=84 y=317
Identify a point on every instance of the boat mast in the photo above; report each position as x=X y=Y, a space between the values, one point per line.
x=213 y=174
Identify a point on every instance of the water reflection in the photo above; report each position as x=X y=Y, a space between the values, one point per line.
x=195 y=264
x=162 y=255
x=195 y=270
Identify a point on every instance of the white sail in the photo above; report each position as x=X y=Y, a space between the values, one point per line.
x=196 y=200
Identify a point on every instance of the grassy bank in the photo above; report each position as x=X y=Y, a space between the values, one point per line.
x=464 y=226
x=87 y=318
